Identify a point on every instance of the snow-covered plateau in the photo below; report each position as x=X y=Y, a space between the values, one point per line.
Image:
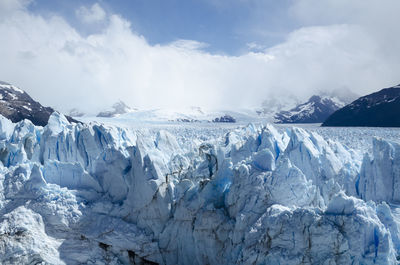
x=197 y=194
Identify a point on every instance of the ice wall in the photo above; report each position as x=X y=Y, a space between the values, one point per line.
x=76 y=193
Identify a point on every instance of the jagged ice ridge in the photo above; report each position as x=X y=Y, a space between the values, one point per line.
x=95 y=194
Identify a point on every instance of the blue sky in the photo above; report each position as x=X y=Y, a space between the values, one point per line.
x=226 y=26
x=223 y=54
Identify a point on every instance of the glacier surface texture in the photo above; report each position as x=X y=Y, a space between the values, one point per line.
x=97 y=194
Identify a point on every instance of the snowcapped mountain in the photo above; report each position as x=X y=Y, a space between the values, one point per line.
x=95 y=194
x=16 y=105
x=381 y=109
x=275 y=104
x=117 y=109
x=289 y=109
x=315 y=110
x=120 y=112
x=183 y=115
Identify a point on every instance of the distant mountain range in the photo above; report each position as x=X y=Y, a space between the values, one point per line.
x=117 y=109
x=315 y=110
x=17 y=105
x=289 y=109
x=192 y=114
x=379 y=109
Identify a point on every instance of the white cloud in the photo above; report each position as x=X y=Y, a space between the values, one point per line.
x=253 y=46
x=378 y=18
x=8 y=7
x=189 y=44
x=91 y=15
x=58 y=66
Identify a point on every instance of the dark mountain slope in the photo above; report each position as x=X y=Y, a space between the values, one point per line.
x=16 y=105
x=379 y=109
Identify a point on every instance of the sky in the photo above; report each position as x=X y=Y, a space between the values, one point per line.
x=221 y=54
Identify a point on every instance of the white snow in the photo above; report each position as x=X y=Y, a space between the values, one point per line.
x=27 y=108
x=338 y=102
x=307 y=110
x=181 y=115
x=12 y=95
x=8 y=86
x=174 y=193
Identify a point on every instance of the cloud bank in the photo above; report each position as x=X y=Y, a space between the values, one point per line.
x=94 y=14
x=60 y=67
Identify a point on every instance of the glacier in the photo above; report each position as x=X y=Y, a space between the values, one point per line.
x=99 y=194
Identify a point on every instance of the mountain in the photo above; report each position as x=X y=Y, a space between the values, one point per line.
x=117 y=109
x=315 y=110
x=184 y=115
x=274 y=104
x=379 y=109
x=16 y=105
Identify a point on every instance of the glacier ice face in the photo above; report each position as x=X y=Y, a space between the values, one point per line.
x=100 y=194
x=380 y=174
x=24 y=240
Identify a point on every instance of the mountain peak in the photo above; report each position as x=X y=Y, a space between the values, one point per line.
x=17 y=105
x=4 y=83
x=315 y=110
x=315 y=98
x=117 y=109
x=10 y=87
